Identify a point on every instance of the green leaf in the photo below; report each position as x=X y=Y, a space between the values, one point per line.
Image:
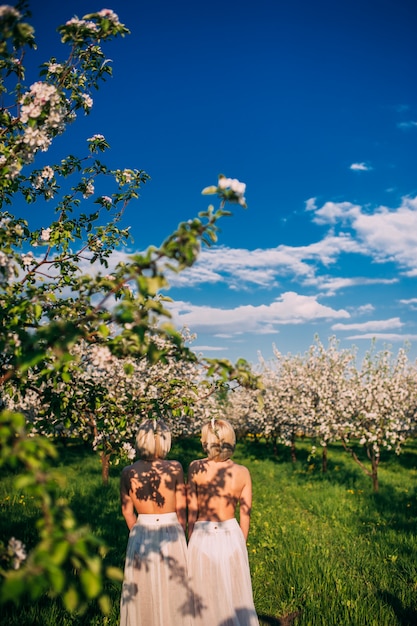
x=105 y=604
x=60 y=552
x=114 y=573
x=91 y=583
x=71 y=599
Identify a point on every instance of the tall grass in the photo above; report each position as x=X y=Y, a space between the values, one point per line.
x=324 y=549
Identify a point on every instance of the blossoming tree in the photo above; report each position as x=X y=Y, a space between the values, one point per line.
x=55 y=313
x=325 y=396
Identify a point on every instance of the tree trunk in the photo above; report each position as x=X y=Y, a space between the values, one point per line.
x=375 y=482
x=324 y=460
x=105 y=468
x=293 y=451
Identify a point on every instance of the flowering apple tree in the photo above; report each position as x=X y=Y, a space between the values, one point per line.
x=383 y=409
x=65 y=302
x=326 y=397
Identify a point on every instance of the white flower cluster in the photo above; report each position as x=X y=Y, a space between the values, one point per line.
x=40 y=103
x=92 y=26
x=101 y=357
x=7 y=11
x=89 y=190
x=54 y=68
x=89 y=25
x=27 y=259
x=34 y=101
x=87 y=100
x=233 y=184
x=45 y=234
x=46 y=174
x=13 y=167
x=96 y=137
x=18 y=552
x=110 y=15
x=230 y=189
x=129 y=451
x=6 y=268
x=124 y=176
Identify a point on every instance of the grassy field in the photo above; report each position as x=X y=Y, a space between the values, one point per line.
x=324 y=549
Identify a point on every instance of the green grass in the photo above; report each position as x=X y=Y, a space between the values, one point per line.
x=324 y=549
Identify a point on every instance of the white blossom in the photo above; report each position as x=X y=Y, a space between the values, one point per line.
x=47 y=173
x=234 y=185
x=110 y=15
x=7 y=11
x=89 y=190
x=74 y=21
x=100 y=356
x=18 y=552
x=27 y=259
x=88 y=100
x=36 y=139
x=53 y=68
x=96 y=137
x=129 y=451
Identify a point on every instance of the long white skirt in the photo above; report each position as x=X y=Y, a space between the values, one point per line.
x=155 y=586
x=218 y=568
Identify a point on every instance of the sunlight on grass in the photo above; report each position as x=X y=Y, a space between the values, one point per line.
x=324 y=549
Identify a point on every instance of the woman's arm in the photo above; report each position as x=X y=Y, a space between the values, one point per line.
x=181 y=498
x=192 y=500
x=245 y=504
x=128 y=509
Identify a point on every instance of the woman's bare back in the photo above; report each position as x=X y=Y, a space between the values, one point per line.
x=216 y=488
x=154 y=486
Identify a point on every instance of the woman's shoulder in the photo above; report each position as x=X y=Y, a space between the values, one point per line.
x=197 y=465
x=172 y=465
x=242 y=470
x=128 y=469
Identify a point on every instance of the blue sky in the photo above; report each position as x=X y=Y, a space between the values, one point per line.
x=314 y=106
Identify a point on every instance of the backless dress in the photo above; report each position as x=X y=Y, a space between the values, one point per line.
x=155 y=587
x=218 y=569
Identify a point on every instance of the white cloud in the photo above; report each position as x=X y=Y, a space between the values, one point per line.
x=383 y=235
x=311 y=204
x=331 y=285
x=207 y=348
x=410 y=301
x=375 y=325
x=289 y=308
x=383 y=337
x=390 y=235
x=242 y=268
x=360 y=167
x=334 y=212
x=407 y=125
x=365 y=308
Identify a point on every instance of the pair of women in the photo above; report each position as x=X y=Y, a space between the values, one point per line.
x=166 y=584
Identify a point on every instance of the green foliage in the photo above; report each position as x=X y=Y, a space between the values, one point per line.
x=50 y=305
x=323 y=549
x=64 y=549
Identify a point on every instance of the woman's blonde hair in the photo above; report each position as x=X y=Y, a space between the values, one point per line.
x=218 y=439
x=153 y=439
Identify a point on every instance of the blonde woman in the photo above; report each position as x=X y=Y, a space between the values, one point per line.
x=218 y=564
x=153 y=499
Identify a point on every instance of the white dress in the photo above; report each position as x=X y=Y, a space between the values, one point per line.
x=155 y=586
x=218 y=568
